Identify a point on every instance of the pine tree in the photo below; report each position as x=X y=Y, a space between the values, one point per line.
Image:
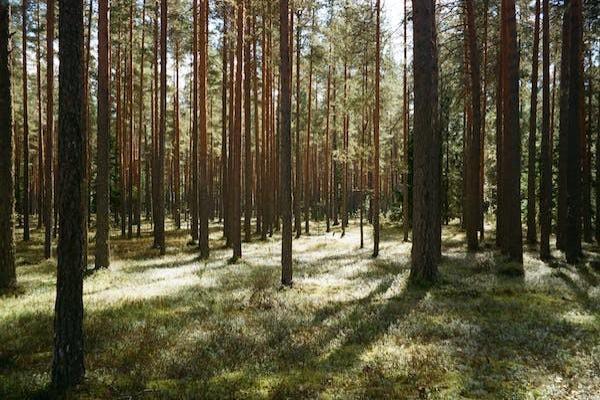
x=7 y=202
x=68 y=362
x=425 y=251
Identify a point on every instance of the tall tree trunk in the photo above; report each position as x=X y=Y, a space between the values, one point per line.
x=327 y=169
x=176 y=143
x=202 y=181
x=564 y=128
x=405 y=111
x=307 y=183
x=473 y=159
x=194 y=139
x=40 y=129
x=483 y=123
x=286 y=144
x=49 y=137
x=8 y=276
x=531 y=174
x=376 y=132
x=425 y=253
x=511 y=156
x=26 y=187
x=237 y=138
x=102 y=259
x=141 y=124
x=224 y=107
x=67 y=365
x=575 y=132
x=546 y=150
x=297 y=144
x=587 y=166
x=248 y=183
x=159 y=225
x=597 y=188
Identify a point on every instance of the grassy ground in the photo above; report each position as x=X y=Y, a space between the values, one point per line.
x=175 y=327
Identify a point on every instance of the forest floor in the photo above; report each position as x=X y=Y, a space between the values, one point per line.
x=351 y=327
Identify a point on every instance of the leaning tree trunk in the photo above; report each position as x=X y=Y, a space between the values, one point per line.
x=426 y=205
x=7 y=199
x=67 y=366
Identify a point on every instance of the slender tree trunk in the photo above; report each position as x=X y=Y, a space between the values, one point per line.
x=297 y=144
x=425 y=254
x=159 y=225
x=257 y=144
x=286 y=144
x=248 y=182
x=473 y=160
x=587 y=167
x=176 y=149
x=8 y=276
x=597 y=228
x=376 y=132
x=405 y=111
x=194 y=139
x=307 y=183
x=483 y=124
x=40 y=137
x=224 y=147
x=68 y=366
x=563 y=141
x=26 y=187
x=48 y=189
x=141 y=124
x=202 y=78
x=345 y=160
x=531 y=174
x=102 y=259
x=546 y=150
x=237 y=137
x=327 y=169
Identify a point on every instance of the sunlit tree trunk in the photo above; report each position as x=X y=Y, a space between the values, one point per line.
x=425 y=251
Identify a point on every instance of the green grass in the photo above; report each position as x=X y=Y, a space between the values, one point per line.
x=351 y=327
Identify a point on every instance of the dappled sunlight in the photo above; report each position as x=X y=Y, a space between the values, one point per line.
x=351 y=326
